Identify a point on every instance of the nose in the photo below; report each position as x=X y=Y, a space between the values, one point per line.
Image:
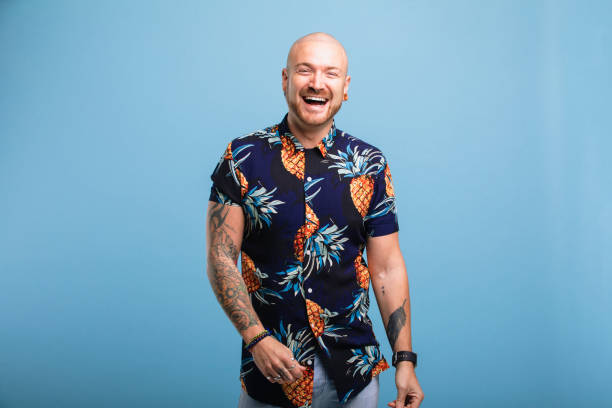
x=316 y=81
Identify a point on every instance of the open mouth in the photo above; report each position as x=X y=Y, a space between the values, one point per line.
x=314 y=100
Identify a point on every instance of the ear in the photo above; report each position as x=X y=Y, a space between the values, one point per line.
x=285 y=76
x=347 y=81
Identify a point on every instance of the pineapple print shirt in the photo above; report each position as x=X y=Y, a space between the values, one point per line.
x=308 y=214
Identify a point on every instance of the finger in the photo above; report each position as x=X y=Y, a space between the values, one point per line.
x=400 y=401
x=286 y=375
x=416 y=401
x=297 y=371
x=272 y=378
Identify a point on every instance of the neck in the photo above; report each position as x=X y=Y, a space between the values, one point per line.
x=308 y=136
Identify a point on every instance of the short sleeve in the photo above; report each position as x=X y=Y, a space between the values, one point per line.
x=226 y=188
x=381 y=218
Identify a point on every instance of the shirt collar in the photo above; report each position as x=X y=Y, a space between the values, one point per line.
x=324 y=145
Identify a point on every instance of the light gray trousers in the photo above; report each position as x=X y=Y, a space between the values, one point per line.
x=324 y=393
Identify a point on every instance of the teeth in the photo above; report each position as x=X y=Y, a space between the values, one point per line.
x=314 y=98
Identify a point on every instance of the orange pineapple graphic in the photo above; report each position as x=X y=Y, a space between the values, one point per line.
x=252 y=277
x=251 y=281
x=362 y=188
x=301 y=345
x=300 y=392
x=380 y=367
x=292 y=158
x=315 y=318
x=367 y=361
x=318 y=318
x=228 y=152
x=388 y=182
x=363 y=275
x=305 y=232
x=244 y=184
x=360 y=167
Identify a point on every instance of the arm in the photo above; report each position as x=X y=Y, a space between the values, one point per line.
x=390 y=285
x=225 y=224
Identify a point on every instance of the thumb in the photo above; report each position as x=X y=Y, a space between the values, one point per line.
x=401 y=399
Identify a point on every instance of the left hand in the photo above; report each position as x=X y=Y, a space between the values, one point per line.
x=407 y=387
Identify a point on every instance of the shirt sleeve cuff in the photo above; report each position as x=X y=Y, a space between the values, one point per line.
x=382 y=229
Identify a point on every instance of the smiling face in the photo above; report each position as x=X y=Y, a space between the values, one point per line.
x=315 y=80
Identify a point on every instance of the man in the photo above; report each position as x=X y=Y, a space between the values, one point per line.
x=299 y=202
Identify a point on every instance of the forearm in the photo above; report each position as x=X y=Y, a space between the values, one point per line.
x=232 y=295
x=393 y=298
x=225 y=278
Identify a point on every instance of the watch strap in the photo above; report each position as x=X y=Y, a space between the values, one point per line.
x=404 y=356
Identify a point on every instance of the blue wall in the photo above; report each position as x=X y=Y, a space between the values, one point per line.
x=495 y=117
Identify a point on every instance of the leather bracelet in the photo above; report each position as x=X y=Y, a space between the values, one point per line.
x=404 y=356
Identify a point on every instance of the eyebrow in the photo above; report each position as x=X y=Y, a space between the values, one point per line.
x=327 y=68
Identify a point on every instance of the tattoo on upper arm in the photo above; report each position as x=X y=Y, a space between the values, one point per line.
x=397 y=320
x=225 y=278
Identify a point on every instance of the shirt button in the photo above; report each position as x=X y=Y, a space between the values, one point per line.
x=309 y=362
x=308 y=178
x=309 y=290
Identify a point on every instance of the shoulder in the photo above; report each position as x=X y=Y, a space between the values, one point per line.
x=264 y=137
x=349 y=144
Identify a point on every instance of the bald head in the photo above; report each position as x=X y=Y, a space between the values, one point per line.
x=322 y=41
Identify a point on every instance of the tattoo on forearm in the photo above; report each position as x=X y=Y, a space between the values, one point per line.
x=396 y=322
x=225 y=278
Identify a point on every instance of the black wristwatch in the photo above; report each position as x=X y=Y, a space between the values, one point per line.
x=404 y=356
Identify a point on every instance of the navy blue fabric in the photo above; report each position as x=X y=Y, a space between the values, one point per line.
x=308 y=214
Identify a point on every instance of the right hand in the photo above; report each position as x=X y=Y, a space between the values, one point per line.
x=274 y=359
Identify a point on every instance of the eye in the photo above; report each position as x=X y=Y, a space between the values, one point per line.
x=333 y=74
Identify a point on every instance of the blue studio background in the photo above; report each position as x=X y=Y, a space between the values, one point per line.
x=494 y=115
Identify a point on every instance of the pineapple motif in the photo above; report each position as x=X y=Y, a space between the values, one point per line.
x=318 y=318
x=389 y=182
x=305 y=232
x=360 y=167
x=244 y=184
x=367 y=361
x=270 y=134
x=300 y=392
x=314 y=317
x=380 y=367
x=251 y=281
x=291 y=278
x=358 y=309
x=322 y=148
x=363 y=275
x=323 y=248
x=362 y=189
x=301 y=345
x=252 y=277
x=239 y=178
x=259 y=206
x=311 y=223
x=293 y=159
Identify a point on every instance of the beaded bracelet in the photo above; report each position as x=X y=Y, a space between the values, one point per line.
x=256 y=339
